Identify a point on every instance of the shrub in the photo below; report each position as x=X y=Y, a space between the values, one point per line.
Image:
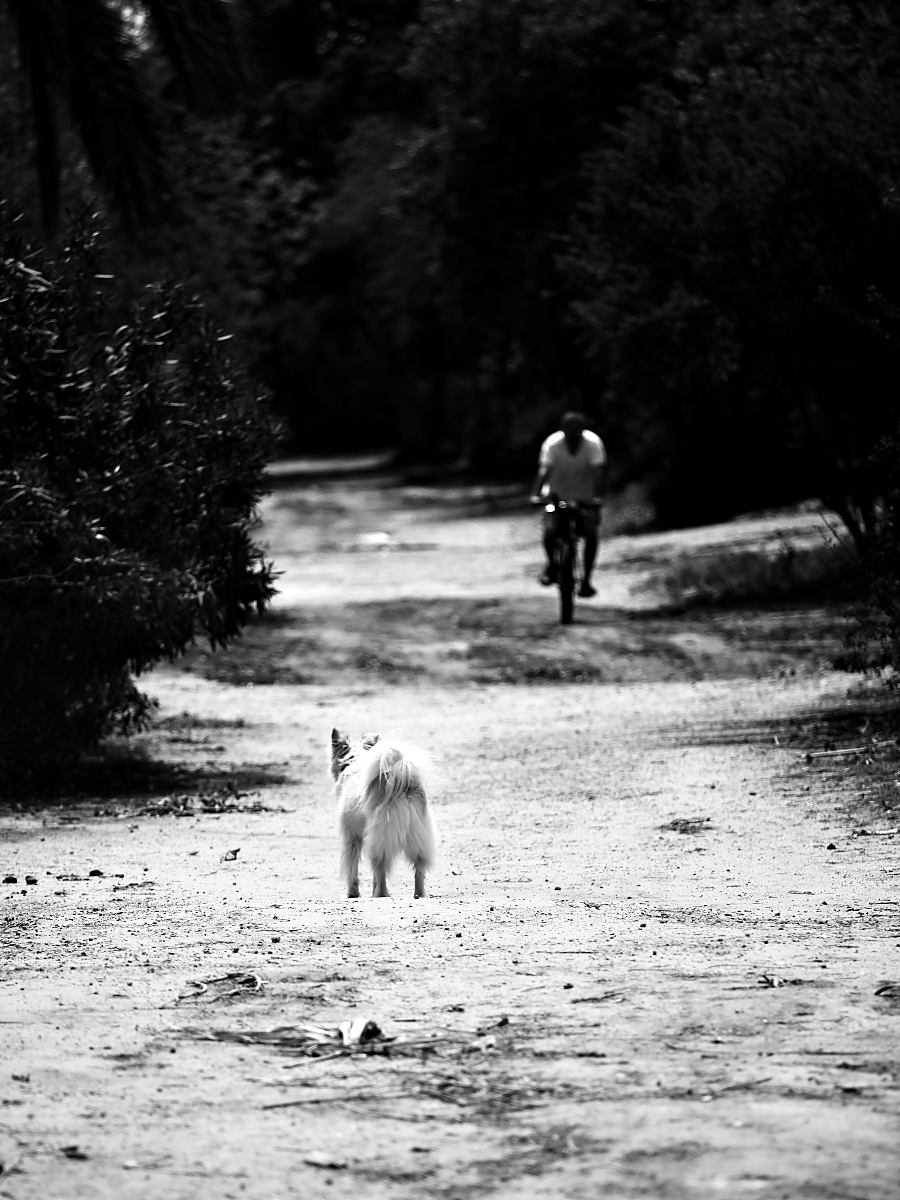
x=875 y=642
x=131 y=462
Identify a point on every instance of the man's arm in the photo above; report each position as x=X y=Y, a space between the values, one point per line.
x=598 y=480
x=539 y=480
x=599 y=466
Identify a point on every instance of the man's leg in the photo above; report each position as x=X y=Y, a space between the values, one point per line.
x=548 y=521
x=591 y=521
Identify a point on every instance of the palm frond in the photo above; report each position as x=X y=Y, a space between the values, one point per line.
x=80 y=59
x=111 y=110
x=37 y=25
x=199 y=39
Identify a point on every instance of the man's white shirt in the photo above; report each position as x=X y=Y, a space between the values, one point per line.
x=571 y=476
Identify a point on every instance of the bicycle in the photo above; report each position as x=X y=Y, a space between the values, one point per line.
x=568 y=552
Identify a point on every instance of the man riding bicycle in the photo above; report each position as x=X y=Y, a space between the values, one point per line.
x=572 y=467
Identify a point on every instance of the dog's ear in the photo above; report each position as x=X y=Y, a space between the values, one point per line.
x=340 y=751
x=370 y=739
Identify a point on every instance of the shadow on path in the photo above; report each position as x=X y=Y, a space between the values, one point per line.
x=519 y=640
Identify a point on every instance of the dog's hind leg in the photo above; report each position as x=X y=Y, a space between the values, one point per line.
x=351 y=849
x=419 y=868
x=380 y=868
x=350 y=863
x=421 y=843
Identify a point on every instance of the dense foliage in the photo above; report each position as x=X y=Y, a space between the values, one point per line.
x=442 y=142
x=86 y=80
x=131 y=460
x=680 y=217
x=737 y=259
x=435 y=223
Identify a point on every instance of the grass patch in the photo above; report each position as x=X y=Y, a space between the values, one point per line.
x=825 y=572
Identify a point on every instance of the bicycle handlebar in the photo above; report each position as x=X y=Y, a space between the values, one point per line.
x=552 y=498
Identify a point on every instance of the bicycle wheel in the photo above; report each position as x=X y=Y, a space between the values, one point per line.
x=566 y=579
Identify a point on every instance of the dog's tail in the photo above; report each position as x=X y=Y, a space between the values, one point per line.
x=389 y=770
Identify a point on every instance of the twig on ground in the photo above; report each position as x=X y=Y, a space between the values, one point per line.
x=743 y=1085
x=837 y=753
x=617 y=997
x=309 y=1061
x=197 y=983
x=335 y=1099
x=246 y=983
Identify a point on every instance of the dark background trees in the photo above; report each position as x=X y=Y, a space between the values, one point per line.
x=434 y=224
x=737 y=259
x=444 y=145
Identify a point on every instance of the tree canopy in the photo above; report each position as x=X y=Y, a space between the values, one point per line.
x=736 y=260
x=82 y=64
x=436 y=223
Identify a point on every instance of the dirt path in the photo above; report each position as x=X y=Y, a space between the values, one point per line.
x=651 y=956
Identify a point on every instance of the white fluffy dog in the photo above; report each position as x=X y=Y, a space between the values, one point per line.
x=380 y=787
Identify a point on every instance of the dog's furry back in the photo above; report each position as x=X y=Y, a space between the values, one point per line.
x=388 y=770
x=386 y=785
x=384 y=809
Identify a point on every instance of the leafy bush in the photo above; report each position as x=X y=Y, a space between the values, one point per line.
x=131 y=462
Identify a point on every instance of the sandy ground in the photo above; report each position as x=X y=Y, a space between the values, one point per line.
x=653 y=958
